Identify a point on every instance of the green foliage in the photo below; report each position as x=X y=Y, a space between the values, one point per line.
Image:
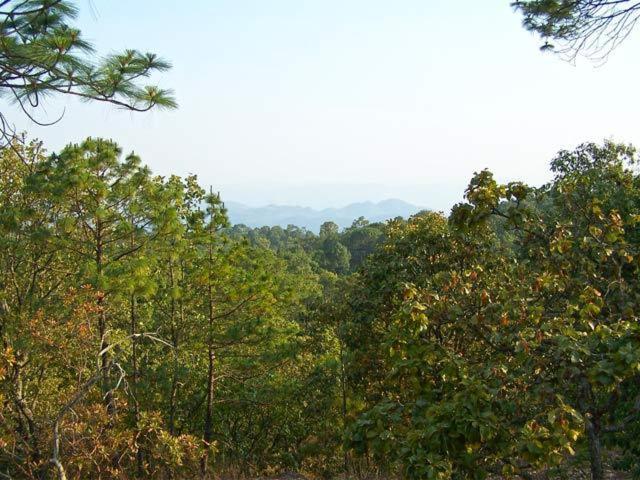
x=502 y=340
x=361 y=240
x=510 y=362
x=136 y=270
x=590 y=27
x=42 y=54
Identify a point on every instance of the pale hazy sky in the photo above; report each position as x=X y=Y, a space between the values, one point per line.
x=324 y=102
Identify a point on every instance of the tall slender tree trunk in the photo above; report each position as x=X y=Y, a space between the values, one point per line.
x=208 y=419
x=177 y=308
x=134 y=341
x=135 y=372
x=26 y=420
x=105 y=361
x=592 y=429
x=174 y=343
x=211 y=356
x=343 y=388
x=135 y=376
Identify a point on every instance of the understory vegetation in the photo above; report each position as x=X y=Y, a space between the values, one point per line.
x=142 y=336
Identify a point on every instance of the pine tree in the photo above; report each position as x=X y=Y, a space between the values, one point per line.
x=41 y=54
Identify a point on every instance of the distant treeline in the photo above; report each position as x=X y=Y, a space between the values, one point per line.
x=337 y=251
x=311 y=219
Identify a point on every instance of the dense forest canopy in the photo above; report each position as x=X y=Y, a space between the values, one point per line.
x=144 y=336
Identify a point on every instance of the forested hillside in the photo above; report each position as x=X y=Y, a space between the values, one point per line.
x=143 y=337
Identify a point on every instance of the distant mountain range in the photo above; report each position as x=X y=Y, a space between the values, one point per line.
x=311 y=219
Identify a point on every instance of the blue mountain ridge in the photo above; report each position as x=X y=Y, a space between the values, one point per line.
x=311 y=219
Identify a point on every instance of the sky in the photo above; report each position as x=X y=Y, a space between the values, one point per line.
x=326 y=102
